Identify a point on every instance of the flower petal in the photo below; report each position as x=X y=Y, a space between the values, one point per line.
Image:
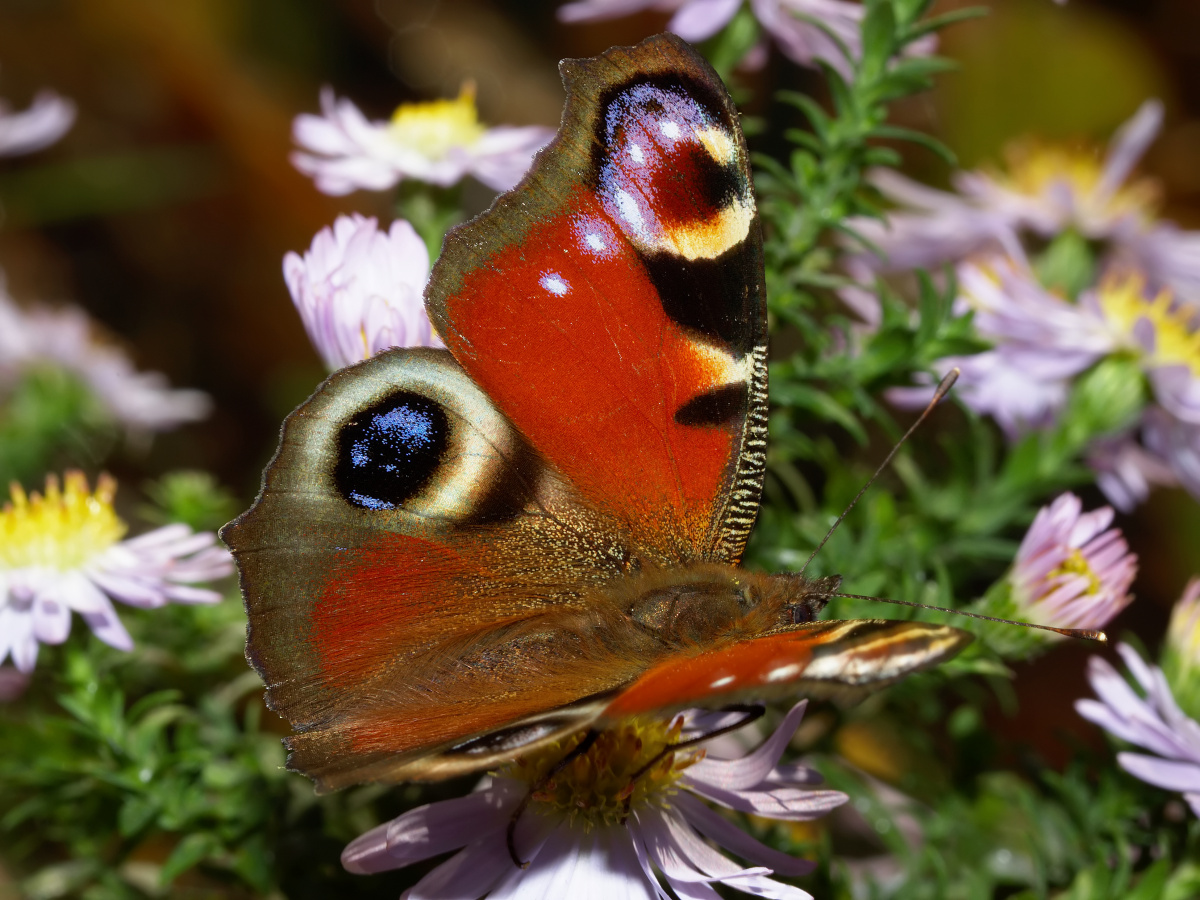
x=728 y=835
x=1164 y=773
x=750 y=770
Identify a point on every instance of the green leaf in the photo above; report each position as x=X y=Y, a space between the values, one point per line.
x=192 y=850
x=895 y=132
x=878 y=39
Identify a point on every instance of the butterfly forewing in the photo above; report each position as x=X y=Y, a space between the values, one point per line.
x=613 y=304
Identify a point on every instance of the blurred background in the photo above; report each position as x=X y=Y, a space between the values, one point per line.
x=167 y=209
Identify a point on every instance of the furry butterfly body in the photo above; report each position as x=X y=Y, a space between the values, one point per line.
x=461 y=555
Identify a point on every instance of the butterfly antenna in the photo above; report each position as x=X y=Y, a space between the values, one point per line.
x=1086 y=634
x=943 y=389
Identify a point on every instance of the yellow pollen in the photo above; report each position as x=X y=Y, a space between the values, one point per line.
x=1077 y=564
x=61 y=530
x=1176 y=333
x=1033 y=167
x=597 y=788
x=433 y=129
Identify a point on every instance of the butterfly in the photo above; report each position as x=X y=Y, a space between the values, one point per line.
x=461 y=555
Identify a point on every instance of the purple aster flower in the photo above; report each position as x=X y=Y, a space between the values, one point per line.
x=438 y=142
x=1165 y=333
x=583 y=838
x=67 y=338
x=1175 y=441
x=1126 y=470
x=1154 y=722
x=48 y=118
x=1072 y=570
x=790 y=22
x=1042 y=342
x=359 y=289
x=1042 y=191
x=62 y=551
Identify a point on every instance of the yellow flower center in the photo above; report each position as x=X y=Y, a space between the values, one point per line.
x=1176 y=333
x=433 y=129
x=61 y=530
x=1076 y=564
x=1033 y=168
x=598 y=788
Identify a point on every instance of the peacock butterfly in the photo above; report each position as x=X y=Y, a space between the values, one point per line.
x=461 y=555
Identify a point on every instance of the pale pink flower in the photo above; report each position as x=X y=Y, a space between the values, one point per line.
x=439 y=142
x=1154 y=722
x=790 y=22
x=63 y=552
x=358 y=290
x=1072 y=570
x=48 y=118
x=67 y=338
x=670 y=830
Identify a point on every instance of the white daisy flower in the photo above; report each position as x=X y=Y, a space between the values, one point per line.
x=62 y=552
x=439 y=142
x=596 y=832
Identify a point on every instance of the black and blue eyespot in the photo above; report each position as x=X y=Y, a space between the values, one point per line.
x=389 y=451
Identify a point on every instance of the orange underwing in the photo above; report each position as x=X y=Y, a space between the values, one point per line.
x=459 y=556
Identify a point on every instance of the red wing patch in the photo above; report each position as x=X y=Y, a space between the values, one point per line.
x=842 y=652
x=613 y=306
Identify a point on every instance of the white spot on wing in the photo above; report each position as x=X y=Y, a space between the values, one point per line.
x=783 y=673
x=670 y=129
x=595 y=242
x=635 y=152
x=630 y=212
x=554 y=284
x=721 y=682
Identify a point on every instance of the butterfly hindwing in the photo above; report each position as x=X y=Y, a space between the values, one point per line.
x=613 y=304
x=408 y=553
x=834 y=659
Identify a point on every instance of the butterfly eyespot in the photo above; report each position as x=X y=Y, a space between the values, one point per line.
x=389 y=451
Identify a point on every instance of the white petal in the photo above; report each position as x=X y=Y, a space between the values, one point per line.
x=107 y=626
x=600 y=865
x=750 y=770
x=1163 y=773
x=431 y=830
x=1128 y=145
x=728 y=835
x=51 y=620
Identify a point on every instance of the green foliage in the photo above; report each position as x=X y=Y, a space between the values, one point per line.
x=191 y=497
x=47 y=417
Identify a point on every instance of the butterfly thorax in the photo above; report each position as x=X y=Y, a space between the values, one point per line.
x=710 y=603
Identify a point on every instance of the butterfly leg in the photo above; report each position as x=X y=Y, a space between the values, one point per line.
x=577 y=751
x=750 y=712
